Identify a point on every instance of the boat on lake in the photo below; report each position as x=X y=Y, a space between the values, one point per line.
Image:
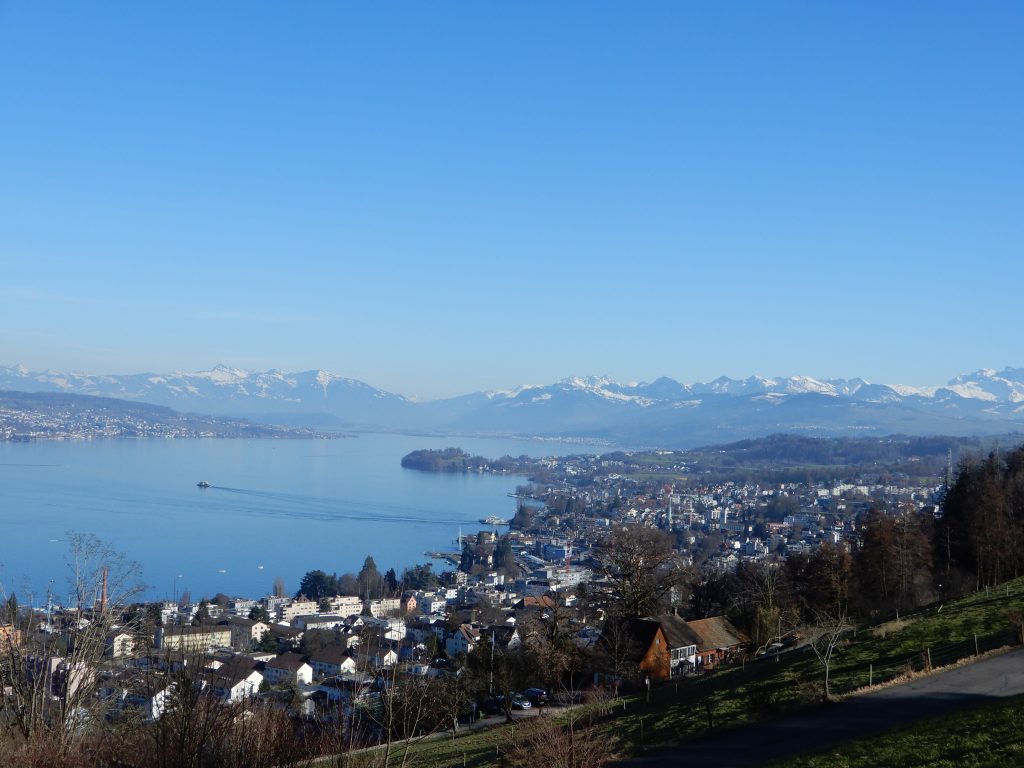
x=202 y=484
x=494 y=520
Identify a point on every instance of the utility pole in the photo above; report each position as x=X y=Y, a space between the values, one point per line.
x=491 y=681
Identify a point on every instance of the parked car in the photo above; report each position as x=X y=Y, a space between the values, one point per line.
x=520 y=702
x=536 y=696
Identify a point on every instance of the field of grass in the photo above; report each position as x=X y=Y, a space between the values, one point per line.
x=989 y=736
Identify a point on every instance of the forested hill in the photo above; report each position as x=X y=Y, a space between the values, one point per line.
x=457 y=460
x=51 y=415
x=789 y=450
x=793 y=458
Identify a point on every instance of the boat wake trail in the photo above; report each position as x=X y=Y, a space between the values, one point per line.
x=278 y=504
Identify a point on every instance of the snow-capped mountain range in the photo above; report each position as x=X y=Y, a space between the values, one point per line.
x=662 y=412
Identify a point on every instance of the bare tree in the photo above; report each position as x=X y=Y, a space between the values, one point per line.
x=52 y=675
x=548 y=640
x=642 y=568
x=764 y=595
x=568 y=742
x=825 y=636
x=410 y=708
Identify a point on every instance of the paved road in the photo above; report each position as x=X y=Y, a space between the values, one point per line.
x=985 y=680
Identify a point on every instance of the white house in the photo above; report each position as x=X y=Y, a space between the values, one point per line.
x=428 y=604
x=376 y=658
x=288 y=667
x=245 y=633
x=285 y=613
x=117 y=645
x=463 y=640
x=344 y=605
x=137 y=693
x=318 y=621
x=332 y=661
x=384 y=606
x=392 y=628
x=235 y=680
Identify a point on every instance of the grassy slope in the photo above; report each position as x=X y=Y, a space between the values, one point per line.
x=989 y=736
x=768 y=688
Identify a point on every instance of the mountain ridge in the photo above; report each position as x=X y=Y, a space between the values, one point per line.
x=663 y=411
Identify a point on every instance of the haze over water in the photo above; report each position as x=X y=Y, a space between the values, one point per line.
x=288 y=505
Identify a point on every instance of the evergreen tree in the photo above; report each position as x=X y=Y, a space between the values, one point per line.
x=202 y=613
x=467 y=560
x=371 y=583
x=317 y=584
x=523 y=519
x=259 y=613
x=420 y=577
x=504 y=560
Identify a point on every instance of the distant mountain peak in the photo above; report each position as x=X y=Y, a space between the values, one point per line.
x=511 y=393
x=589 y=382
x=221 y=373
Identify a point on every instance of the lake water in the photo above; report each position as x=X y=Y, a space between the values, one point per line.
x=288 y=505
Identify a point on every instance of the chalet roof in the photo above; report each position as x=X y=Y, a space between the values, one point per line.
x=643 y=631
x=716 y=632
x=677 y=632
x=639 y=633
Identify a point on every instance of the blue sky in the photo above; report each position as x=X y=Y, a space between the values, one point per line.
x=442 y=197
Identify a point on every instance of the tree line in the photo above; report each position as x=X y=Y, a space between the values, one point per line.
x=369 y=583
